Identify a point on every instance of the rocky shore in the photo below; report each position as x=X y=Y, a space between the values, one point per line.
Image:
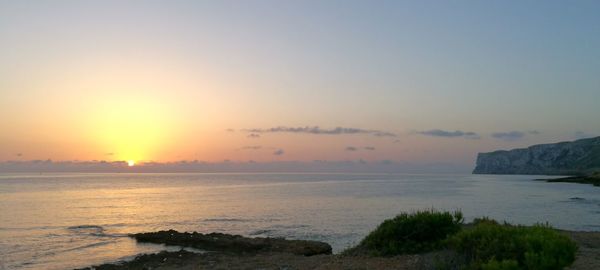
x=234 y=243
x=593 y=179
x=237 y=252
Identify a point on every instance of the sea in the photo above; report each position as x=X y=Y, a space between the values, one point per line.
x=66 y=221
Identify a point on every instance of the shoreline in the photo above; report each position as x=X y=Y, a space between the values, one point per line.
x=593 y=179
x=238 y=252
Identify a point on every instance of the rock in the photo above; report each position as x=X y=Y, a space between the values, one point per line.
x=564 y=158
x=593 y=180
x=234 y=243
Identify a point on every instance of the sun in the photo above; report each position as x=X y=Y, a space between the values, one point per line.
x=130 y=163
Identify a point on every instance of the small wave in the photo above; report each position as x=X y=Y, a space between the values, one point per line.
x=111 y=235
x=118 y=225
x=98 y=244
x=94 y=230
x=580 y=200
x=226 y=220
x=78 y=227
x=35 y=228
x=291 y=226
x=260 y=232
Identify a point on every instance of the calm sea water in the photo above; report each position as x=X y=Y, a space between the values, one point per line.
x=63 y=221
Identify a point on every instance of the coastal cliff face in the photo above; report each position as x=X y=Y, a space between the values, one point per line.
x=564 y=158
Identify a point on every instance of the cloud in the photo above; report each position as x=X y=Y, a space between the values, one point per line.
x=534 y=132
x=250 y=147
x=19 y=154
x=230 y=130
x=508 y=136
x=278 y=152
x=450 y=134
x=353 y=148
x=320 y=131
x=253 y=135
x=110 y=154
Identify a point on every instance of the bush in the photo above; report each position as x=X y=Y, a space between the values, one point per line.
x=500 y=265
x=489 y=245
x=411 y=233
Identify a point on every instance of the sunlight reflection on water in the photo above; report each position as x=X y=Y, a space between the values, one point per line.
x=63 y=221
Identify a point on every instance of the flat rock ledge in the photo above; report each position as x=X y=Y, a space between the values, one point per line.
x=234 y=243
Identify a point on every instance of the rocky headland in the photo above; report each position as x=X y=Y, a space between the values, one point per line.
x=580 y=157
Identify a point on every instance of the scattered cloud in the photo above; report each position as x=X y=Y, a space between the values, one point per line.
x=534 y=132
x=251 y=147
x=450 y=134
x=353 y=148
x=509 y=136
x=253 y=135
x=230 y=130
x=278 y=152
x=109 y=154
x=321 y=131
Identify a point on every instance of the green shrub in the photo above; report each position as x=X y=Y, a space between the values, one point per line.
x=411 y=233
x=489 y=245
x=500 y=265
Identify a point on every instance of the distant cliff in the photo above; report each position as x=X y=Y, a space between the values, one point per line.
x=564 y=158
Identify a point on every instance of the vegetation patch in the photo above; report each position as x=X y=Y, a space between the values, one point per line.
x=484 y=244
x=490 y=245
x=410 y=233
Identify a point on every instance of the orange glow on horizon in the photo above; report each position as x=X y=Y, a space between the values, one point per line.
x=133 y=128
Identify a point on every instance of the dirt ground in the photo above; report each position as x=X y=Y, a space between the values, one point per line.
x=588 y=256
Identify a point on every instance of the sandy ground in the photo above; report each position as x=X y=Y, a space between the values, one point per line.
x=588 y=257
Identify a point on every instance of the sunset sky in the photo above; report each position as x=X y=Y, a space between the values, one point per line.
x=406 y=81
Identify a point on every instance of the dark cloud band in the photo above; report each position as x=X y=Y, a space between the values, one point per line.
x=509 y=136
x=450 y=134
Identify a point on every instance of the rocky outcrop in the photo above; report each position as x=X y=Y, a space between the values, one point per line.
x=234 y=243
x=593 y=179
x=564 y=158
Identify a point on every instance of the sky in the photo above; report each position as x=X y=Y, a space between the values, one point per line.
x=411 y=82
